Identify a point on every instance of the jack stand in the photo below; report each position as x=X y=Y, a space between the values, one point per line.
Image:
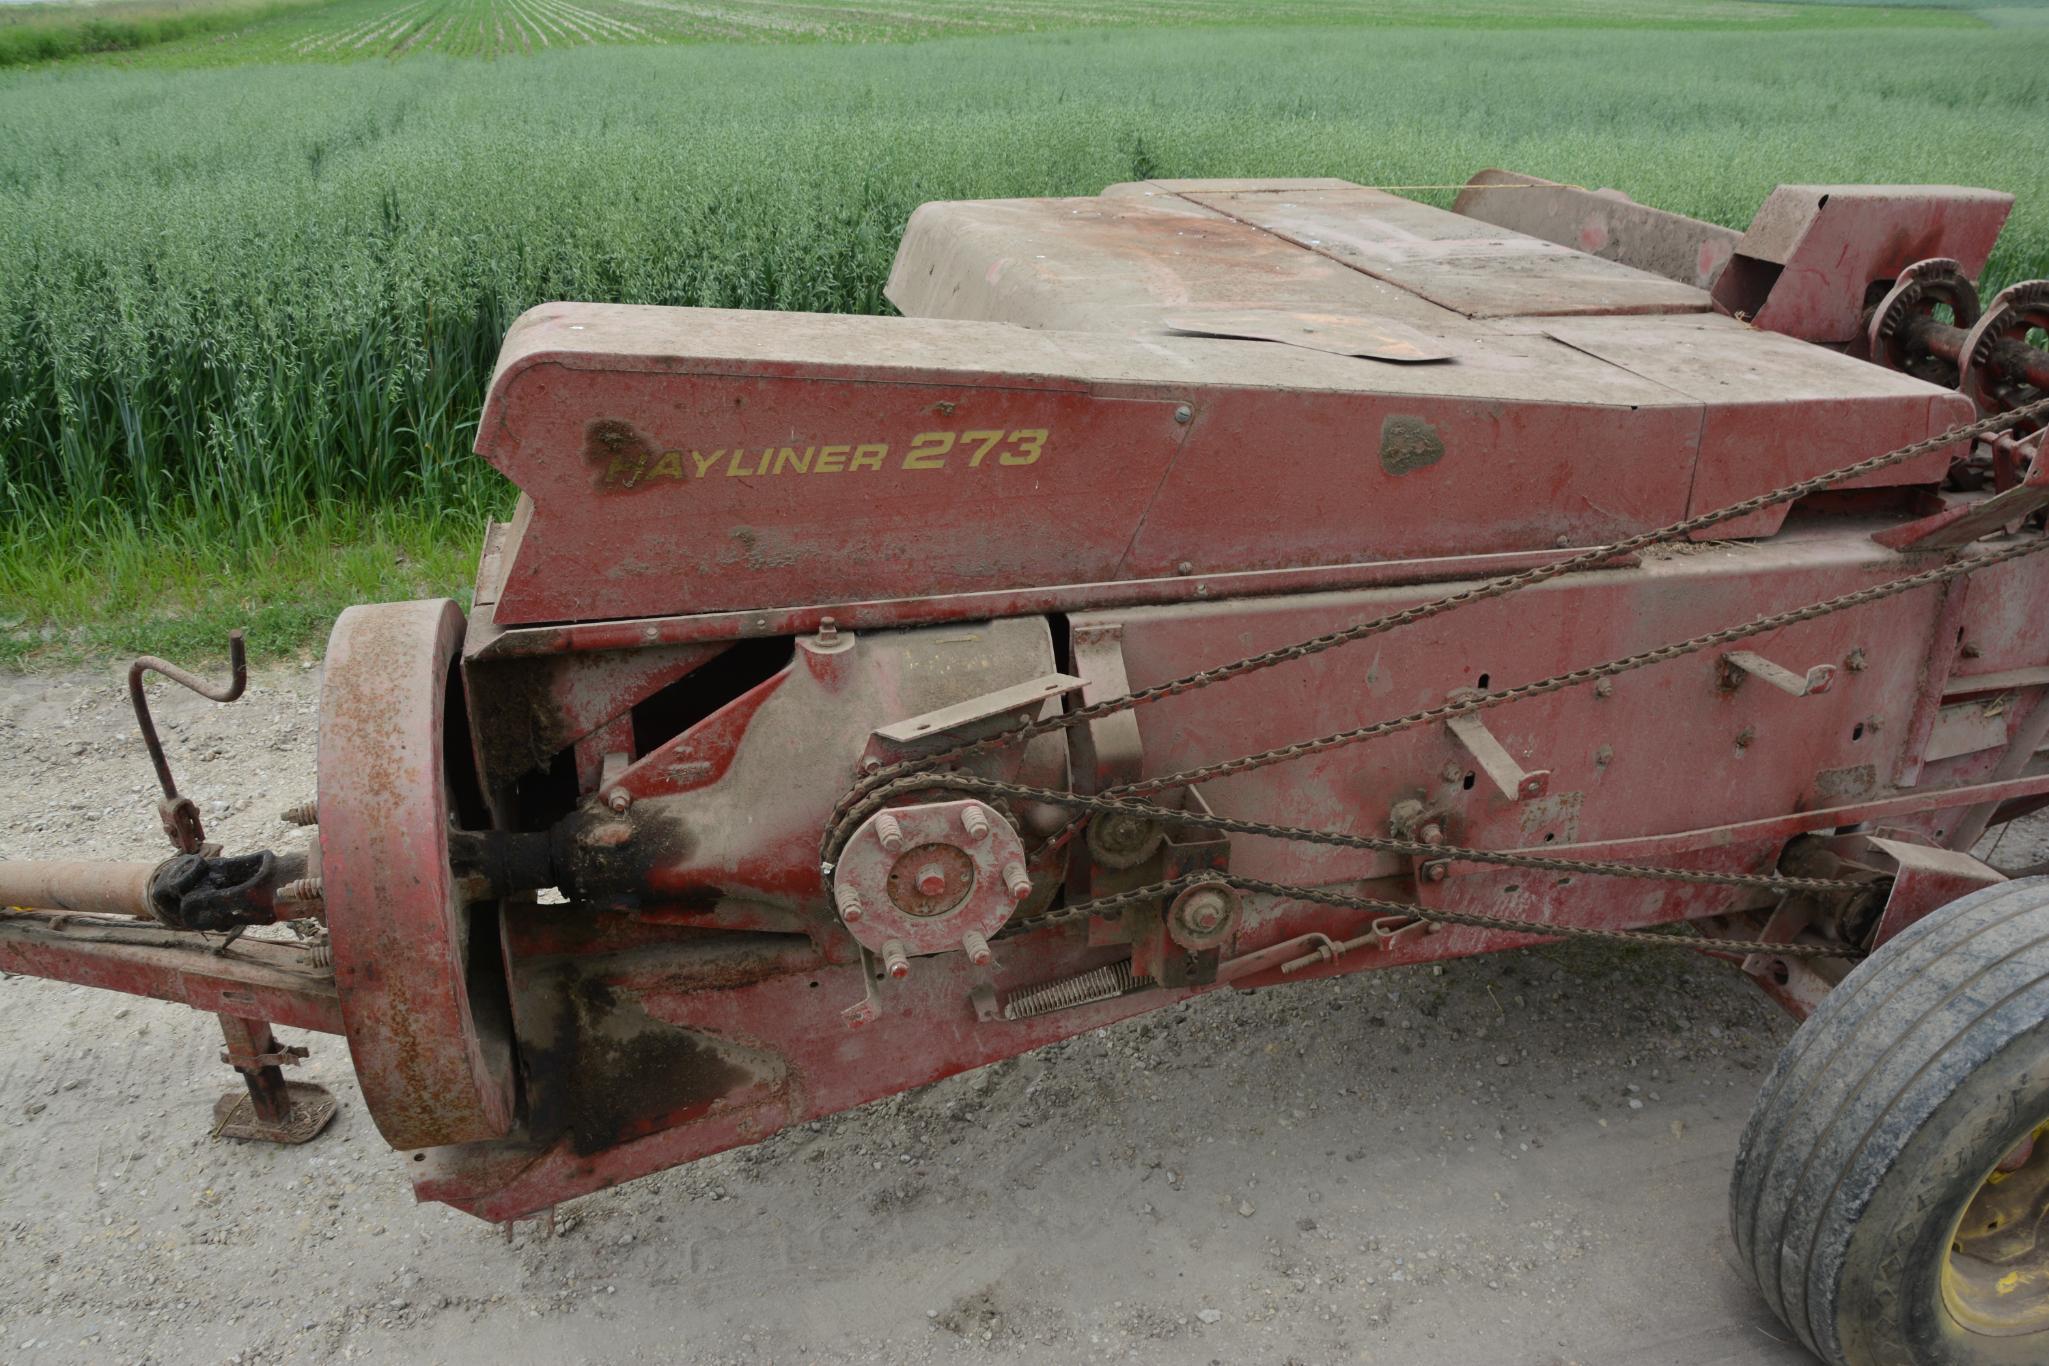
x=270 y=1109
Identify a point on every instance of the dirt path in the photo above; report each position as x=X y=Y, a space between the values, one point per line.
x=1521 y=1159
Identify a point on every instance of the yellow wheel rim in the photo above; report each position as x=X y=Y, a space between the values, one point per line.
x=1995 y=1280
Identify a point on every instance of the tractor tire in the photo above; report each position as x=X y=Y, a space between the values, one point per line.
x=1917 y=1095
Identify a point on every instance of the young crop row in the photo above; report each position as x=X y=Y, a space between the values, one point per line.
x=237 y=300
x=346 y=30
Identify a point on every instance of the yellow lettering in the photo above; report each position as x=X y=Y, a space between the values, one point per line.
x=928 y=451
x=831 y=460
x=628 y=466
x=705 y=462
x=869 y=457
x=788 y=457
x=669 y=466
x=733 y=469
x=1030 y=443
x=988 y=440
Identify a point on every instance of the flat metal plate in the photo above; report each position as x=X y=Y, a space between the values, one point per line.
x=1474 y=268
x=1027 y=695
x=1338 y=333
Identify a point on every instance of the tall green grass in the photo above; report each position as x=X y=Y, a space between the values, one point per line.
x=47 y=32
x=246 y=312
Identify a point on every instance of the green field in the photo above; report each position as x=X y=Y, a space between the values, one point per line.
x=247 y=309
x=226 y=32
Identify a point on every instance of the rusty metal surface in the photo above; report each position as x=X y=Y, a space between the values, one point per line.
x=993 y=459
x=487 y=641
x=1604 y=223
x=1811 y=256
x=948 y=526
x=433 y=1060
x=1459 y=263
x=1336 y=333
x=277 y=982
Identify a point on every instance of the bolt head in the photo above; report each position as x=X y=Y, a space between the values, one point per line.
x=1435 y=872
x=899 y=969
x=1433 y=833
x=931 y=880
x=1203 y=913
x=1184 y=414
x=619 y=799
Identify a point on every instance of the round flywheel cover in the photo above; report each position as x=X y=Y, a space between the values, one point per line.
x=432 y=1051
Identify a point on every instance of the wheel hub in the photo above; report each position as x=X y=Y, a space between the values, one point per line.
x=1996 y=1278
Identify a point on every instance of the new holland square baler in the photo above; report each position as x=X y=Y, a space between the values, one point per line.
x=1209 y=583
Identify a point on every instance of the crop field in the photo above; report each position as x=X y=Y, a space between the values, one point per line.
x=226 y=32
x=247 y=311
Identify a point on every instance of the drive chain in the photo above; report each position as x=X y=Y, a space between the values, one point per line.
x=1152 y=892
x=877 y=788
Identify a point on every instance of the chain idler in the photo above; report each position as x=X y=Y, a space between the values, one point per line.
x=935 y=878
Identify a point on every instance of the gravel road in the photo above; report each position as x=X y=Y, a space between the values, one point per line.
x=1518 y=1159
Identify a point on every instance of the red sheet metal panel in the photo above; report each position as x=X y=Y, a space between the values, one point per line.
x=1777 y=410
x=696 y=460
x=1120 y=263
x=1604 y=223
x=1664 y=749
x=1471 y=267
x=1813 y=252
x=691 y=461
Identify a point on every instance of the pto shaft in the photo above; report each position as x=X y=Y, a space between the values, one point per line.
x=96 y=887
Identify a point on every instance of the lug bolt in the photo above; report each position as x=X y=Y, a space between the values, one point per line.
x=975 y=823
x=889 y=833
x=931 y=880
x=305 y=813
x=894 y=960
x=977 y=949
x=1433 y=833
x=850 y=905
x=619 y=799
x=1018 y=880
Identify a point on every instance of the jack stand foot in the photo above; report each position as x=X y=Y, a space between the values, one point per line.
x=309 y=1110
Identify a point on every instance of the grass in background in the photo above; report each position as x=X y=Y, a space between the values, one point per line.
x=118 y=589
x=247 y=316
x=49 y=32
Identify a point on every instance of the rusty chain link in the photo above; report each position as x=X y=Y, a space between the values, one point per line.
x=1139 y=896
x=875 y=789
x=1592 y=558
x=1105 y=804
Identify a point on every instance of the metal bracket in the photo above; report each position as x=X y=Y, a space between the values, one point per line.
x=977 y=717
x=1925 y=878
x=1737 y=663
x=1966 y=521
x=290 y=1055
x=1495 y=761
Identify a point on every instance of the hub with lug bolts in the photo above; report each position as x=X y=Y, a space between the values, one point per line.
x=940 y=877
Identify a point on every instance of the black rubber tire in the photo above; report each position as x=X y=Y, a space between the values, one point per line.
x=1883 y=1115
